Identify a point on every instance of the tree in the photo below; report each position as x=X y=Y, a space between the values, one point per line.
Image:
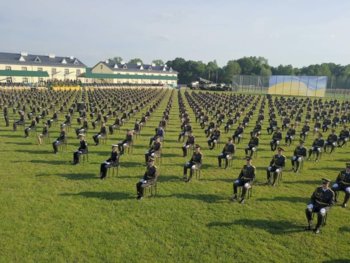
x=211 y=70
x=283 y=70
x=117 y=59
x=265 y=71
x=135 y=61
x=158 y=62
x=232 y=68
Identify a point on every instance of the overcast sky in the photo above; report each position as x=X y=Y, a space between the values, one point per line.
x=297 y=32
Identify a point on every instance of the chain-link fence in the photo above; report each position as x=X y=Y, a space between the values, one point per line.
x=313 y=86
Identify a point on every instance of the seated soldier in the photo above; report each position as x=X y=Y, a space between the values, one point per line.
x=194 y=163
x=317 y=127
x=126 y=142
x=159 y=134
x=228 y=124
x=276 y=138
x=149 y=178
x=155 y=147
x=252 y=145
x=185 y=130
x=321 y=201
x=44 y=133
x=112 y=161
x=228 y=150
x=326 y=123
x=101 y=134
x=245 y=180
x=117 y=123
x=61 y=139
x=28 y=129
x=238 y=134
x=210 y=128
x=298 y=156
x=331 y=141
x=213 y=138
x=304 y=131
x=272 y=126
x=343 y=136
x=83 y=128
x=190 y=142
x=21 y=121
x=343 y=184
x=81 y=150
x=316 y=147
x=257 y=129
x=276 y=165
x=290 y=135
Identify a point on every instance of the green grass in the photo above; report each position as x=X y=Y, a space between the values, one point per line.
x=52 y=211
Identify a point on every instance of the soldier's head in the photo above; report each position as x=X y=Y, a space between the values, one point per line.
x=333 y=131
x=301 y=142
x=249 y=160
x=197 y=148
x=114 y=147
x=319 y=135
x=150 y=162
x=81 y=136
x=348 y=167
x=325 y=183
x=229 y=139
x=280 y=150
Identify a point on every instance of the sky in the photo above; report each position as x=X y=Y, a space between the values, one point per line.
x=296 y=32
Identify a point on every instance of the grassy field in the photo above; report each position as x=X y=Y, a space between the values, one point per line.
x=52 y=211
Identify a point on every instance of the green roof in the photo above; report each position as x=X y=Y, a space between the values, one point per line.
x=23 y=73
x=88 y=74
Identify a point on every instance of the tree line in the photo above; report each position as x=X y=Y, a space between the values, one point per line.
x=190 y=70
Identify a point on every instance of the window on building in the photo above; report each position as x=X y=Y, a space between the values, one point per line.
x=78 y=72
x=53 y=71
x=66 y=71
x=9 y=79
x=41 y=80
x=24 y=68
x=37 y=59
x=7 y=68
x=25 y=80
x=40 y=69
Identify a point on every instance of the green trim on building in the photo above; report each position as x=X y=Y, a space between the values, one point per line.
x=88 y=74
x=23 y=73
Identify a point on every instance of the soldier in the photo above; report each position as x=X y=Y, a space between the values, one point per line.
x=321 y=201
x=101 y=134
x=214 y=137
x=44 y=133
x=112 y=161
x=276 y=165
x=298 y=156
x=194 y=163
x=149 y=178
x=61 y=139
x=272 y=126
x=252 y=145
x=126 y=142
x=159 y=134
x=189 y=143
x=28 y=129
x=343 y=184
x=185 y=130
x=238 y=133
x=290 y=135
x=276 y=138
x=343 y=136
x=81 y=150
x=317 y=146
x=227 y=152
x=83 y=128
x=245 y=180
x=305 y=130
x=20 y=121
x=331 y=141
x=155 y=147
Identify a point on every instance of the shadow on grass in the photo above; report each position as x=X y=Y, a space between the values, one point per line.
x=336 y=261
x=71 y=176
x=274 y=227
x=103 y=195
x=314 y=182
x=293 y=199
x=167 y=155
x=207 y=198
x=344 y=229
x=325 y=168
x=53 y=162
x=36 y=151
x=21 y=143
